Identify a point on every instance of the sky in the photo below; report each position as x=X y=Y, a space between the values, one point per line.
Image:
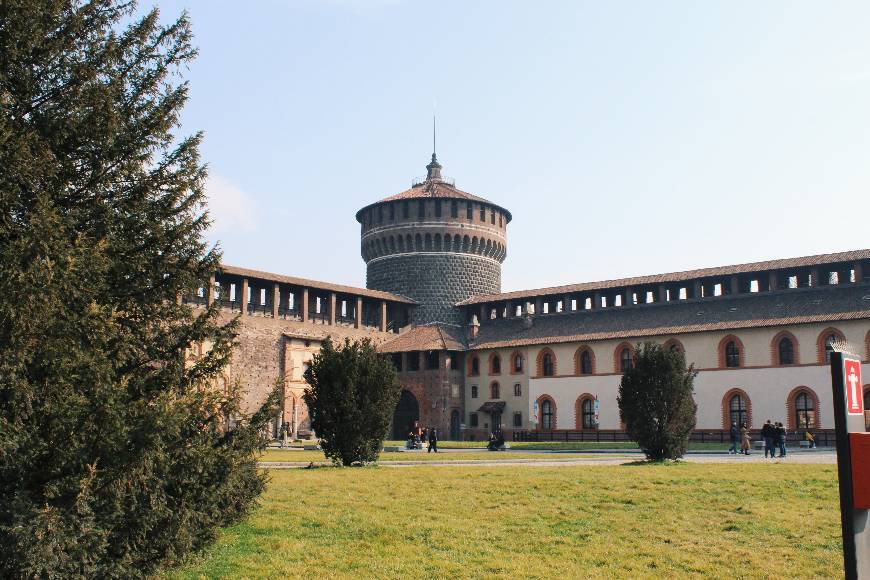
x=627 y=138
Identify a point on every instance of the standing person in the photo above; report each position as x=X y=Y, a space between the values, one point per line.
x=433 y=441
x=744 y=435
x=809 y=437
x=780 y=438
x=734 y=434
x=285 y=434
x=768 y=432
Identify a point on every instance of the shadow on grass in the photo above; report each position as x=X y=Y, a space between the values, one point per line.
x=648 y=462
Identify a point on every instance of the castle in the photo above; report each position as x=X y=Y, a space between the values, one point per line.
x=546 y=363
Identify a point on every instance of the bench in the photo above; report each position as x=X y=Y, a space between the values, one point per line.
x=393 y=448
x=805 y=444
x=312 y=448
x=758 y=444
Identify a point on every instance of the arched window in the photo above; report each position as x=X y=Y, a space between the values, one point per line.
x=547 y=415
x=588 y=410
x=518 y=390
x=737 y=411
x=732 y=354
x=547 y=365
x=475 y=365
x=786 y=351
x=495 y=365
x=829 y=346
x=585 y=363
x=625 y=359
x=804 y=411
x=494 y=391
x=518 y=363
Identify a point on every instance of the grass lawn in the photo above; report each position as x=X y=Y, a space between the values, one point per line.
x=716 y=520
x=271 y=455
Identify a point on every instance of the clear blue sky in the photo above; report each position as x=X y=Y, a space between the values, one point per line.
x=627 y=138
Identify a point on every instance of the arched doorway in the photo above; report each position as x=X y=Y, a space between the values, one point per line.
x=454 y=425
x=407 y=411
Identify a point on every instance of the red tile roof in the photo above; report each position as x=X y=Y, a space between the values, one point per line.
x=805 y=261
x=430 y=337
x=434 y=189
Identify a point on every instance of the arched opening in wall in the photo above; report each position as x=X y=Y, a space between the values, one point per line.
x=474 y=366
x=825 y=343
x=784 y=347
x=803 y=409
x=730 y=352
x=546 y=363
x=418 y=242
x=736 y=408
x=392 y=243
x=466 y=244
x=584 y=361
x=409 y=243
x=623 y=358
x=401 y=244
x=437 y=242
x=516 y=363
x=457 y=243
x=547 y=410
x=454 y=425
x=406 y=414
x=674 y=345
x=428 y=242
x=584 y=412
x=494 y=364
x=474 y=244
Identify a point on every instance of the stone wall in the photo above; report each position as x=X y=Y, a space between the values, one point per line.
x=436 y=280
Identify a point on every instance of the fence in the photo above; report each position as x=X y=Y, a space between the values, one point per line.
x=824 y=437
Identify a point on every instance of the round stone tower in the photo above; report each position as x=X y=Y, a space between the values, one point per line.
x=435 y=244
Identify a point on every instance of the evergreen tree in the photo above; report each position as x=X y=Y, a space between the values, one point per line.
x=351 y=397
x=655 y=401
x=116 y=455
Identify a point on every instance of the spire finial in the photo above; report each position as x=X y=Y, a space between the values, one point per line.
x=433 y=134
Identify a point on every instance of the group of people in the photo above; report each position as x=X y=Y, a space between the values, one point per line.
x=496 y=441
x=772 y=433
x=418 y=435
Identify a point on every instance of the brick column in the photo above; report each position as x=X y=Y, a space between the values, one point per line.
x=332 y=308
x=735 y=285
x=484 y=315
x=209 y=292
x=773 y=282
x=596 y=299
x=566 y=303
x=663 y=293
x=859 y=272
x=696 y=289
x=509 y=310
x=814 y=277
x=244 y=299
x=627 y=298
x=359 y=306
x=539 y=306
x=305 y=305
x=276 y=300
x=383 y=315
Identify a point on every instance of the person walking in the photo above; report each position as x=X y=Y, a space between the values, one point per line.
x=734 y=434
x=433 y=441
x=808 y=436
x=744 y=435
x=285 y=434
x=768 y=433
x=780 y=438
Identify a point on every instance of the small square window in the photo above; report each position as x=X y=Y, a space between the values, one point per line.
x=518 y=419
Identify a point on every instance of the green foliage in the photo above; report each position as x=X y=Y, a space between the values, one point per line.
x=655 y=401
x=116 y=452
x=351 y=396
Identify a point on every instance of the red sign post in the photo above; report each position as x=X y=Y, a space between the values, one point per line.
x=853 y=463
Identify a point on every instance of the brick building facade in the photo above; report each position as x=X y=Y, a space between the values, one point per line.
x=545 y=362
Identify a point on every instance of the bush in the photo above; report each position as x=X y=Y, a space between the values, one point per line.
x=116 y=450
x=655 y=401
x=351 y=397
